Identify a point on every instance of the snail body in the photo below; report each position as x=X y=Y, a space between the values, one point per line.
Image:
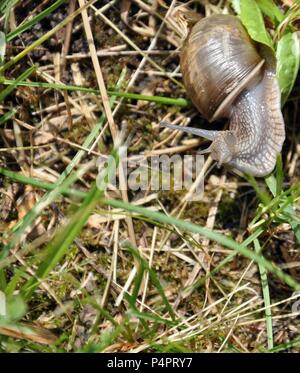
x=227 y=75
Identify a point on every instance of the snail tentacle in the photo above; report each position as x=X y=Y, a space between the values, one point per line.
x=207 y=134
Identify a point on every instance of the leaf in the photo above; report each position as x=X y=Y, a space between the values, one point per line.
x=252 y=19
x=279 y=175
x=236 y=5
x=271 y=184
x=291 y=218
x=288 y=57
x=275 y=183
x=296 y=228
x=271 y=10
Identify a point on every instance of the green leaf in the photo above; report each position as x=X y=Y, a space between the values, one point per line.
x=296 y=228
x=271 y=184
x=288 y=57
x=275 y=184
x=291 y=218
x=279 y=175
x=271 y=10
x=236 y=5
x=252 y=19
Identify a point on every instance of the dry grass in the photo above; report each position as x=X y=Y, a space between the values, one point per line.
x=128 y=282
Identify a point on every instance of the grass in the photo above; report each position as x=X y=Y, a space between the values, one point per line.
x=131 y=96
x=68 y=263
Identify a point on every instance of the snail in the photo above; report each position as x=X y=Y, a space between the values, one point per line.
x=227 y=75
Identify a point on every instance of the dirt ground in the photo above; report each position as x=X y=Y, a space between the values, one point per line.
x=82 y=301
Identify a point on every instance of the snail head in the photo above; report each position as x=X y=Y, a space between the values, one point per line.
x=223 y=146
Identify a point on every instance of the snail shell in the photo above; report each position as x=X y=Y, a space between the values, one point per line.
x=227 y=75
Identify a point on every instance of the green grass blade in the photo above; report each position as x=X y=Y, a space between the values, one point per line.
x=130 y=96
x=15 y=176
x=286 y=346
x=2 y=47
x=212 y=235
x=62 y=241
x=154 y=216
x=153 y=277
x=36 y=211
x=219 y=266
x=279 y=175
x=263 y=195
x=61 y=185
x=155 y=318
x=4 y=118
x=5 y=92
x=266 y=295
x=6 y=5
x=27 y=25
x=42 y=39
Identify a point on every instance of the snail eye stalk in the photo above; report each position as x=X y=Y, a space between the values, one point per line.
x=208 y=135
